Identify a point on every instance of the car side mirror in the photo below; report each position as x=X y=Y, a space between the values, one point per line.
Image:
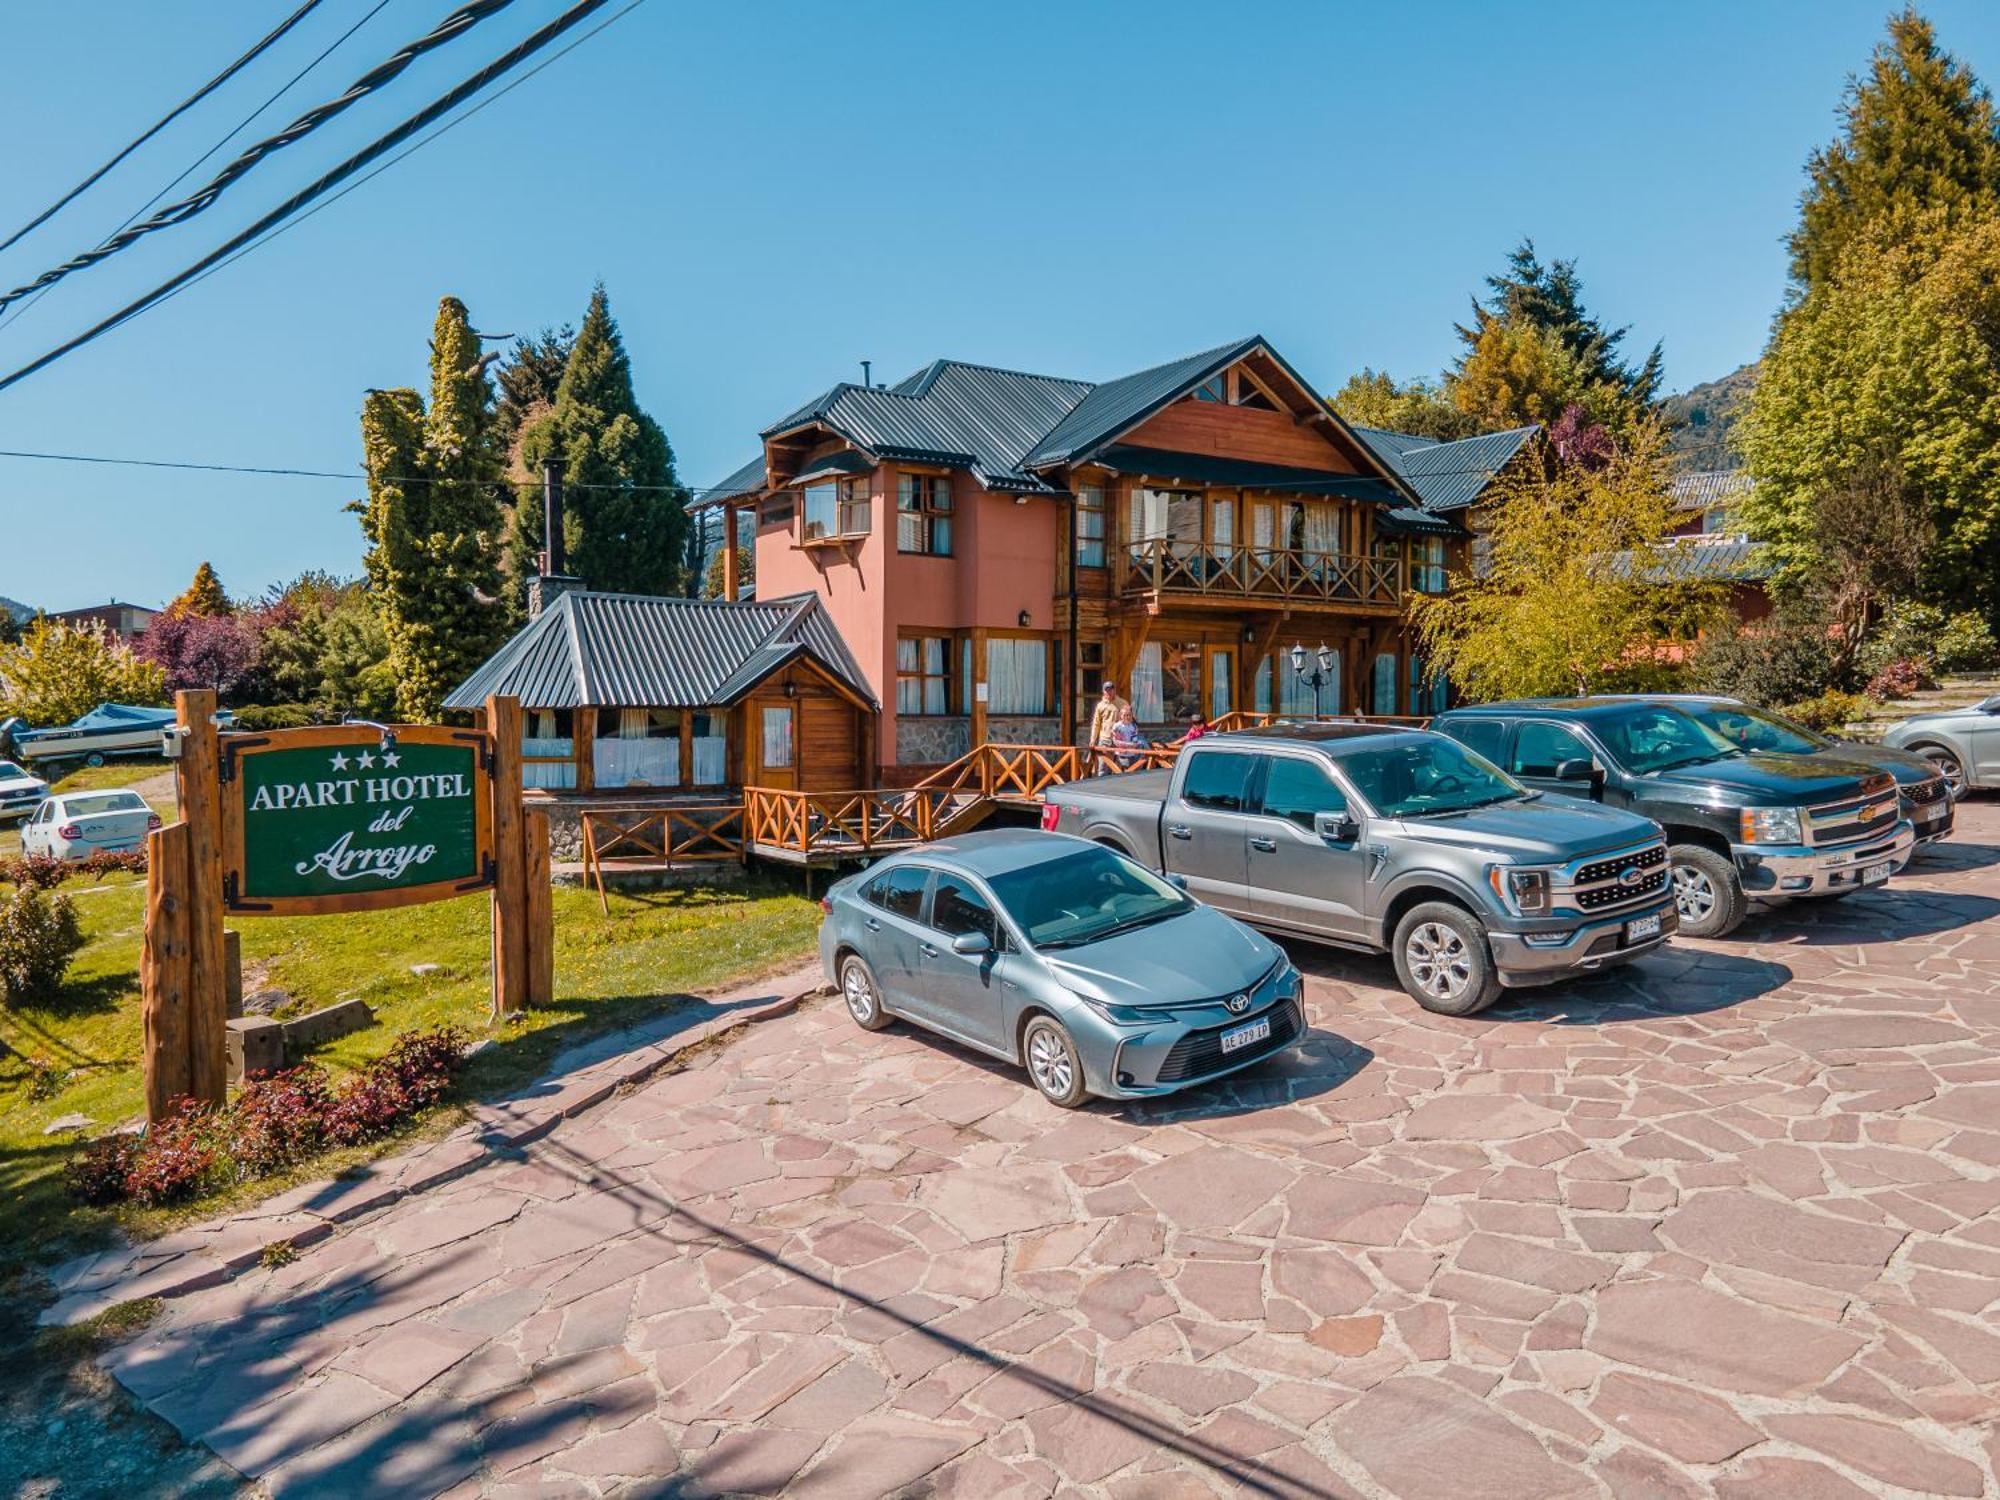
x=1178 y=882
x=1335 y=827
x=1577 y=769
x=972 y=944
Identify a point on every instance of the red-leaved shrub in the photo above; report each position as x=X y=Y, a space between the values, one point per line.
x=180 y=1155
x=1900 y=679
x=279 y=1118
x=274 y=1121
x=99 y=1172
x=113 y=862
x=42 y=872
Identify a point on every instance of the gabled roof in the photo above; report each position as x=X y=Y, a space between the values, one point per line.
x=1447 y=476
x=644 y=650
x=1727 y=559
x=1711 y=489
x=1113 y=407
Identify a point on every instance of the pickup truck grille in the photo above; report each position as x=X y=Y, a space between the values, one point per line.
x=1852 y=819
x=1200 y=1052
x=1923 y=793
x=1603 y=883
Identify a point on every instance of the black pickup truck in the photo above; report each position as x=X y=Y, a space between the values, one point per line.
x=1739 y=824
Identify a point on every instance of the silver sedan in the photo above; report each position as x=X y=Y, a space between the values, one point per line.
x=1060 y=955
x=1963 y=743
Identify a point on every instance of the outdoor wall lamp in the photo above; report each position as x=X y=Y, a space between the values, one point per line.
x=791 y=690
x=388 y=734
x=1023 y=618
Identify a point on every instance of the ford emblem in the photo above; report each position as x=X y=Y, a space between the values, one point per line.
x=1631 y=875
x=1237 y=1004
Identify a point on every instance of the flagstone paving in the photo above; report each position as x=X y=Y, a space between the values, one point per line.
x=1724 y=1223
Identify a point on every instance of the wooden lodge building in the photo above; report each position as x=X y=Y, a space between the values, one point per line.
x=963 y=557
x=994 y=545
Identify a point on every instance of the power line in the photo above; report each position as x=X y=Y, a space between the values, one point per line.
x=453 y=26
x=443 y=105
x=165 y=120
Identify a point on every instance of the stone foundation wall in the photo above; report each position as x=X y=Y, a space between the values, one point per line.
x=1010 y=730
x=928 y=741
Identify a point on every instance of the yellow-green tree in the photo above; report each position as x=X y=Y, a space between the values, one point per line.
x=58 y=672
x=1573 y=593
x=432 y=519
x=1374 y=398
x=204 y=596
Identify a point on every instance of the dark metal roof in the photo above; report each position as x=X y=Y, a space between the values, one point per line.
x=844 y=461
x=1712 y=489
x=642 y=650
x=1407 y=520
x=1210 y=468
x=1447 y=476
x=1111 y=408
x=748 y=480
x=1714 y=559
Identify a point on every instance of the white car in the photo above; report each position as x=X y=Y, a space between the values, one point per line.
x=76 y=825
x=20 y=793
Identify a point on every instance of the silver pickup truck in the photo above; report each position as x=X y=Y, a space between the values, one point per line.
x=1391 y=840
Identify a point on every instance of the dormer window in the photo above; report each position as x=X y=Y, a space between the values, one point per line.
x=1215 y=388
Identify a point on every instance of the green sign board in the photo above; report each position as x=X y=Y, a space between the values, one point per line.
x=354 y=818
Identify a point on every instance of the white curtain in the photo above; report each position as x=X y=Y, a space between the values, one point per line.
x=1017 y=677
x=1385 y=683
x=711 y=750
x=1322 y=529
x=777 y=738
x=1260 y=690
x=1221 y=671
x=1148 y=704
x=550 y=775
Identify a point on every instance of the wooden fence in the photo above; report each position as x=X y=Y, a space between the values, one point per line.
x=667 y=835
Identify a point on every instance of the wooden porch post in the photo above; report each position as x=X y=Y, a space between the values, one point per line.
x=977 y=687
x=510 y=859
x=730 y=582
x=583 y=747
x=199 y=779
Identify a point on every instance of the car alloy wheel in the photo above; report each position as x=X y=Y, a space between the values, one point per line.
x=1694 y=893
x=1438 y=960
x=1049 y=1061
x=859 y=994
x=1949 y=768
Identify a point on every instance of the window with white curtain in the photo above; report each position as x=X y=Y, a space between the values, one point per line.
x=777 y=738
x=1017 y=676
x=1221 y=673
x=1090 y=526
x=711 y=749
x=822 y=511
x=1427 y=565
x=1148 y=699
x=637 y=747
x=1385 y=682
x=923 y=683
x=1260 y=687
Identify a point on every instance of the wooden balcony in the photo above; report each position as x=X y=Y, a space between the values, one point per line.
x=1202 y=572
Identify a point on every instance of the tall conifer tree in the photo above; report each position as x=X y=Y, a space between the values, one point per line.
x=432 y=519
x=625 y=513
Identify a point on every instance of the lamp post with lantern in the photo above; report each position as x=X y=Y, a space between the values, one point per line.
x=1322 y=674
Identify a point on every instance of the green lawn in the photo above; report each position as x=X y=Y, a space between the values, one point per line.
x=610 y=971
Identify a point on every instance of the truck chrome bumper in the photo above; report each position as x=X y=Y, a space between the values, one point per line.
x=1530 y=957
x=1798 y=870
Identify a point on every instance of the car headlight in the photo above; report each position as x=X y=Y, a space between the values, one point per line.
x=1521 y=888
x=1771 y=825
x=1119 y=1015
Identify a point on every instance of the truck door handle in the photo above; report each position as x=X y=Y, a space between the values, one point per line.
x=872 y=925
x=929 y=951
x=1179 y=831
x=1264 y=845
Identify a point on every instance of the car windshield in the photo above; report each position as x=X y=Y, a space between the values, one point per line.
x=1651 y=738
x=10 y=772
x=1754 y=729
x=102 y=802
x=1415 y=777
x=1083 y=897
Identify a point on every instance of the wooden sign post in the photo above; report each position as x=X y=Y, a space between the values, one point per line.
x=351 y=817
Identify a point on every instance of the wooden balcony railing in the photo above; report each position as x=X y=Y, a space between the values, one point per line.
x=841 y=823
x=658 y=835
x=1164 y=565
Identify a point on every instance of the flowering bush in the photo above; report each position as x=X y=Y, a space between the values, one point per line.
x=112 y=862
x=39 y=935
x=46 y=872
x=275 y=1120
x=1900 y=679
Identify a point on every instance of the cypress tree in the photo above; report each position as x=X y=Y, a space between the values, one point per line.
x=203 y=596
x=625 y=516
x=1919 y=144
x=432 y=519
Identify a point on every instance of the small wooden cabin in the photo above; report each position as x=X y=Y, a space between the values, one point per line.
x=626 y=694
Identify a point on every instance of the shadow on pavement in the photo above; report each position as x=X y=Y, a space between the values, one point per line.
x=1882 y=915
x=1673 y=981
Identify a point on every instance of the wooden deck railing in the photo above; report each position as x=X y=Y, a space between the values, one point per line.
x=667 y=835
x=1164 y=565
x=808 y=823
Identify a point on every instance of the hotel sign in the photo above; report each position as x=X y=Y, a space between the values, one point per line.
x=354 y=818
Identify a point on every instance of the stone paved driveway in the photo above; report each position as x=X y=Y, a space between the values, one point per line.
x=1724 y=1224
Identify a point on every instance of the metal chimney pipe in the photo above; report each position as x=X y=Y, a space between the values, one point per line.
x=867 y=366
x=553 y=561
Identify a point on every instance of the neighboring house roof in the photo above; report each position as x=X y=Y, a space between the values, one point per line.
x=1007 y=427
x=1725 y=560
x=642 y=650
x=1447 y=476
x=1711 y=489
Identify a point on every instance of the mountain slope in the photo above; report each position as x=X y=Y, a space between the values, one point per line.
x=1701 y=418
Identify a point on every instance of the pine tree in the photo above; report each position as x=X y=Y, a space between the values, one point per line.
x=432 y=519
x=528 y=379
x=1919 y=142
x=625 y=515
x=1548 y=299
x=204 y=596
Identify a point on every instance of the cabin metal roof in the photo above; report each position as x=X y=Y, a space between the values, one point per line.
x=1242 y=473
x=1116 y=405
x=1711 y=489
x=596 y=650
x=1447 y=476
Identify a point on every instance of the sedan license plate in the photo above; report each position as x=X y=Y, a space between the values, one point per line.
x=1641 y=928
x=1874 y=874
x=1243 y=1036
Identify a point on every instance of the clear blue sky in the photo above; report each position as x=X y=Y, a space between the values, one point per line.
x=773 y=192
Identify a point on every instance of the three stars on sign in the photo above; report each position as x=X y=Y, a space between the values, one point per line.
x=365 y=760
